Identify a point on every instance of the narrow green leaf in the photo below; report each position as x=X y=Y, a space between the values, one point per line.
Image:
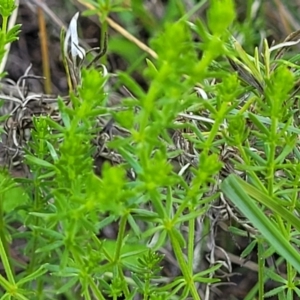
x=249 y=62
x=271 y=203
x=275 y=291
x=137 y=281
x=49 y=233
x=259 y=124
x=249 y=249
x=275 y=277
x=131 y=85
x=238 y=195
x=52 y=151
x=50 y=247
x=70 y=283
x=39 y=162
x=34 y=275
x=208 y=271
x=179 y=237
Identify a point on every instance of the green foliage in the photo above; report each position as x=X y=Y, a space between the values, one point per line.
x=7 y=7
x=166 y=174
x=220 y=16
x=7 y=36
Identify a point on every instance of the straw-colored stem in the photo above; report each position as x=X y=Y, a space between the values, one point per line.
x=123 y=32
x=284 y=20
x=44 y=50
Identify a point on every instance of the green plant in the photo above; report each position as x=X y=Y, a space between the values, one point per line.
x=163 y=154
x=7 y=35
x=272 y=164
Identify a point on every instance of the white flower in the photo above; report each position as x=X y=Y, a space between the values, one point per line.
x=72 y=39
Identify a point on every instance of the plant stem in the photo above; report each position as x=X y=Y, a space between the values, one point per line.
x=122 y=31
x=104 y=32
x=119 y=244
x=120 y=237
x=261 y=266
x=95 y=289
x=183 y=265
x=6 y=264
x=4 y=23
x=2 y=229
x=191 y=239
x=271 y=156
x=44 y=50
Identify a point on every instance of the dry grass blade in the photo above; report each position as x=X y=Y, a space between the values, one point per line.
x=123 y=32
x=56 y=21
x=21 y=106
x=246 y=76
x=293 y=37
x=44 y=49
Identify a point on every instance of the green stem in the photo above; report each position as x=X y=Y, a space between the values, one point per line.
x=290 y=275
x=6 y=264
x=191 y=238
x=181 y=209
x=215 y=128
x=251 y=173
x=183 y=266
x=271 y=158
x=2 y=229
x=121 y=274
x=4 y=23
x=119 y=244
x=149 y=102
x=5 y=284
x=261 y=266
x=36 y=207
x=181 y=7
x=104 y=30
x=120 y=237
x=95 y=289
